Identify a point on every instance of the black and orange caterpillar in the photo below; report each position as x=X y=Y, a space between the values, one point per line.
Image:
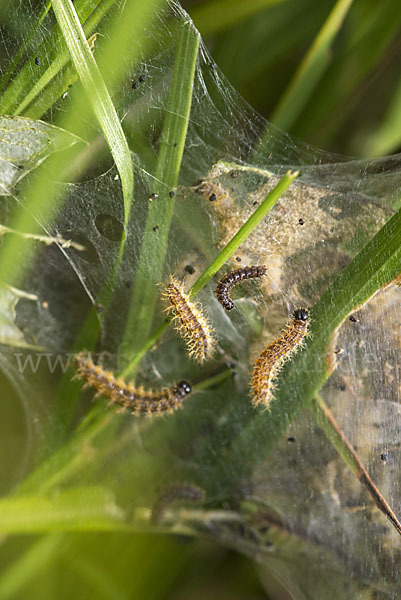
x=272 y=358
x=136 y=399
x=225 y=284
x=192 y=325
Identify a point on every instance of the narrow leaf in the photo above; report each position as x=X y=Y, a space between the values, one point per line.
x=98 y=95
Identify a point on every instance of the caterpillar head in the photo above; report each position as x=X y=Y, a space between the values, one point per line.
x=301 y=314
x=184 y=388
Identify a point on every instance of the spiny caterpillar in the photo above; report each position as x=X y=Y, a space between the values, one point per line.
x=272 y=358
x=126 y=394
x=193 y=326
x=173 y=493
x=235 y=276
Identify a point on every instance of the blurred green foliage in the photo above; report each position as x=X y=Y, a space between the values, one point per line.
x=353 y=107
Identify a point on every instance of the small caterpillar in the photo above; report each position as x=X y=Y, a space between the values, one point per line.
x=181 y=492
x=193 y=326
x=214 y=192
x=126 y=394
x=271 y=359
x=226 y=283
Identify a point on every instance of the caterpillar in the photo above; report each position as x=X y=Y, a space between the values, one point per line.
x=192 y=325
x=214 y=192
x=271 y=359
x=235 y=276
x=127 y=395
x=181 y=491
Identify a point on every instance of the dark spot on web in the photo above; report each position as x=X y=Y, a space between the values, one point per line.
x=109 y=227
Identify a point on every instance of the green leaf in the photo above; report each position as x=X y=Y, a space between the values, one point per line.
x=52 y=49
x=98 y=95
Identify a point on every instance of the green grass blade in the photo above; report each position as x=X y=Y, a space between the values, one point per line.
x=214 y=16
x=44 y=98
x=367 y=43
x=259 y=68
x=49 y=88
x=26 y=79
x=56 y=66
x=161 y=210
x=309 y=72
x=98 y=95
x=221 y=259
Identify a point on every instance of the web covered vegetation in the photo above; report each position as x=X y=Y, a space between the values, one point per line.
x=134 y=177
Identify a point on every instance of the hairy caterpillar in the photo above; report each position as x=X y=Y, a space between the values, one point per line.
x=235 y=276
x=192 y=325
x=126 y=394
x=271 y=359
x=173 y=493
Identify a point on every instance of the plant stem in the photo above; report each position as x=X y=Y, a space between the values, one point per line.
x=325 y=420
x=244 y=232
x=214 y=380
